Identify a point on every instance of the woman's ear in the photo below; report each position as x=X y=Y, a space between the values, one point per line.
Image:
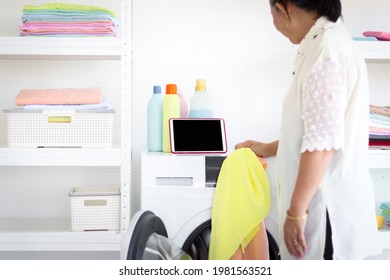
x=283 y=10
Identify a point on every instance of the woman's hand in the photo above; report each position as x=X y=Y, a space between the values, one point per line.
x=294 y=237
x=262 y=150
x=312 y=168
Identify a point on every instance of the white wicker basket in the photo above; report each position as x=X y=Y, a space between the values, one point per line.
x=95 y=209
x=55 y=128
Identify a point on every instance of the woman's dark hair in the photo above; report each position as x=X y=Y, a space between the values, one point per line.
x=329 y=8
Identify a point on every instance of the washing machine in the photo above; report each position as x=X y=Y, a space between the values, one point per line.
x=174 y=221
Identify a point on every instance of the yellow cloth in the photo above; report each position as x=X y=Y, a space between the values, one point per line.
x=242 y=200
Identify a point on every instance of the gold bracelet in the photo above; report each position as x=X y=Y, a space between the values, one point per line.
x=296 y=218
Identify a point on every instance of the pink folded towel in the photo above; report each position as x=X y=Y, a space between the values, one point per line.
x=68 y=28
x=379 y=130
x=66 y=96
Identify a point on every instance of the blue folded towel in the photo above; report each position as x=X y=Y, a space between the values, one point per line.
x=67 y=18
x=385 y=206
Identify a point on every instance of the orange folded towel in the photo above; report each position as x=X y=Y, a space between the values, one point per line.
x=68 y=96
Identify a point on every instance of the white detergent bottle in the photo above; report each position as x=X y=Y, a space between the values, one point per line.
x=155 y=107
x=201 y=106
x=171 y=109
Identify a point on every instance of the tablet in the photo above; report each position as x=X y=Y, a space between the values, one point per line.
x=197 y=136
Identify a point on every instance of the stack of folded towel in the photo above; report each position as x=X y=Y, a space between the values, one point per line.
x=59 y=19
x=379 y=127
x=63 y=99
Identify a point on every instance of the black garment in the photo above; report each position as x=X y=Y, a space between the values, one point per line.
x=328 y=251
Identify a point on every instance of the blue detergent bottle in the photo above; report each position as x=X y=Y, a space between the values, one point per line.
x=155 y=123
x=201 y=105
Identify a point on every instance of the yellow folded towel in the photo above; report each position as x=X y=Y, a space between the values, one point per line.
x=241 y=202
x=64 y=7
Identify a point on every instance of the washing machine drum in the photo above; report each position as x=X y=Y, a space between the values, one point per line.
x=147 y=239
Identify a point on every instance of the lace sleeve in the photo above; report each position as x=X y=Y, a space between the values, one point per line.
x=323 y=109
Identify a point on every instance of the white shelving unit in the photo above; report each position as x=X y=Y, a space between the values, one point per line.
x=53 y=235
x=375 y=51
x=378 y=52
x=20 y=48
x=378 y=159
x=60 y=157
x=24 y=234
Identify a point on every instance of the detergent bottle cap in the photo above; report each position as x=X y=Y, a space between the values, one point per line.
x=171 y=89
x=156 y=89
x=200 y=85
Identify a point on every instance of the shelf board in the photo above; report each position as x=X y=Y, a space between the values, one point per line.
x=22 y=48
x=375 y=51
x=53 y=235
x=378 y=159
x=60 y=157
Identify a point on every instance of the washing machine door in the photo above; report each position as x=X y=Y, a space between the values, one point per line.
x=147 y=239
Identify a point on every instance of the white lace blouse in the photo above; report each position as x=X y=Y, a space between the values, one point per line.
x=325 y=108
x=323 y=104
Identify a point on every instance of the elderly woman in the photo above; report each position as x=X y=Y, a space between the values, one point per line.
x=325 y=191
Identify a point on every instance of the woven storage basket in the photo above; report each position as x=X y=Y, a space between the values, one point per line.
x=95 y=209
x=55 y=128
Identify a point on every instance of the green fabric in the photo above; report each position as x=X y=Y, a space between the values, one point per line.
x=65 y=7
x=242 y=200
